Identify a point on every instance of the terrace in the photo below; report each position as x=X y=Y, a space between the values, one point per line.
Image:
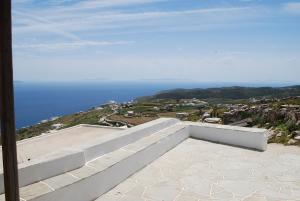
x=199 y=170
x=164 y=159
x=161 y=160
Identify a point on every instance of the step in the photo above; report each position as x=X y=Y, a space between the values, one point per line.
x=101 y=174
x=73 y=157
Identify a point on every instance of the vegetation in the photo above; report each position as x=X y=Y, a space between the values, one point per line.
x=89 y=117
x=175 y=104
x=228 y=93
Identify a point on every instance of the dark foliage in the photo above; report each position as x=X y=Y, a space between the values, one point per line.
x=229 y=93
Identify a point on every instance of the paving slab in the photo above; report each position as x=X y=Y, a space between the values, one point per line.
x=35 y=190
x=44 y=145
x=199 y=170
x=61 y=181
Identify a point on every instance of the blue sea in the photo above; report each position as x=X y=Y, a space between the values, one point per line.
x=36 y=101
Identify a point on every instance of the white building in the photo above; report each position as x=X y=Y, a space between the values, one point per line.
x=213 y=120
x=130 y=113
x=57 y=126
x=181 y=115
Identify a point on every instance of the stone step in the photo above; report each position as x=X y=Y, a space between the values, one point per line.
x=75 y=155
x=101 y=174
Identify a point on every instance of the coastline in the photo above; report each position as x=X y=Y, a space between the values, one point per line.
x=37 y=101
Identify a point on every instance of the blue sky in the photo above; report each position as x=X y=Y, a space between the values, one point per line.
x=184 y=40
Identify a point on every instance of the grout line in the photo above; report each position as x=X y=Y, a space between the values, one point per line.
x=179 y=194
x=127 y=150
x=144 y=192
x=47 y=185
x=72 y=175
x=87 y=165
x=95 y=159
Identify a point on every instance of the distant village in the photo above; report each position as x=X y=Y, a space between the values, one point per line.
x=280 y=116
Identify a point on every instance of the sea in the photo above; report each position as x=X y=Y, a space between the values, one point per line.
x=37 y=101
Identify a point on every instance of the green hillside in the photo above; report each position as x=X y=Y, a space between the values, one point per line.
x=229 y=93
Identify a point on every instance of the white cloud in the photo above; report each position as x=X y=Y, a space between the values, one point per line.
x=93 y=27
x=70 y=22
x=225 y=67
x=63 y=17
x=66 y=26
x=292 y=7
x=70 y=45
x=69 y=5
x=45 y=25
x=93 y=4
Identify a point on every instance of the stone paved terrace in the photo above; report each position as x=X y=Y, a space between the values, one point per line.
x=199 y=170
x=162 y=160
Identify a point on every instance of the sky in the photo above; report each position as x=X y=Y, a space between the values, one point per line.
x=178 y=40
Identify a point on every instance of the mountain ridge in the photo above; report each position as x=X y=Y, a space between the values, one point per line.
x=234 y=92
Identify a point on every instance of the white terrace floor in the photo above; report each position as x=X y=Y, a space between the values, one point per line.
x=202 y=171
x=73 y=137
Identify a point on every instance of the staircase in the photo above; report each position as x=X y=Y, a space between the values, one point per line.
x=98 y=175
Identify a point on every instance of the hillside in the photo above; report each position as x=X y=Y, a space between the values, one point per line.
x=232 y=93
x=277 y=109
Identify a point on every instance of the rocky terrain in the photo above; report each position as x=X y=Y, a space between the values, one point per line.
x=280 y=115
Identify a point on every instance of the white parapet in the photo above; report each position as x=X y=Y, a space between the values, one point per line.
x=252 y=138
x=126 y=137
x=104 y=162
x=74 y=157
x=112 y=169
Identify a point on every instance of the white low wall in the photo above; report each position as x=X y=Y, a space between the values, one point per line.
x=128 y=136
x=67 y=160
x=92 y=187
x=47 y=167
x=252 y=138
